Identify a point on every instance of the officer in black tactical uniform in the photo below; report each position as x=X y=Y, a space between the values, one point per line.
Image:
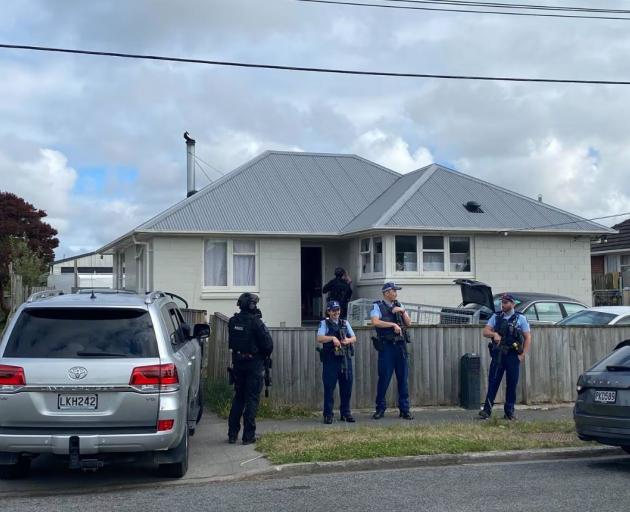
x=250 y=343
x=339 y=289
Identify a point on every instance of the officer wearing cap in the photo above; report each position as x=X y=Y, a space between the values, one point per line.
x=392 y=350
x=250 y=343
x=511 y=338
x=337 y=339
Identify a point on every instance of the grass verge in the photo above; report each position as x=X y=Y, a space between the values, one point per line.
x=219 y=400
x=450 y=438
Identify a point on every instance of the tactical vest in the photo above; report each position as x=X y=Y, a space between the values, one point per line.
x=338 y=291
x=508 y=328
x=241 y=334
x=386 y=316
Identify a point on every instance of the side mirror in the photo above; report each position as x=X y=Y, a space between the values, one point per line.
x=186 y=331
x=201 y=331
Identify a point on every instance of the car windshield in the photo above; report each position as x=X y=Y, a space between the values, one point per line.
x=588 y=318
x=497 y=302
x=82 y=332
x=619 y=358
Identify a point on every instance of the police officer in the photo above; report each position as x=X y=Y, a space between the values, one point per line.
x=392 y=350
x=339 y=289
x=511 y=337
x=250 y=343
x=337 y=339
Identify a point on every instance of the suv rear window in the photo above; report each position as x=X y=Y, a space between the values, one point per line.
x=618 y=358
x=82 y=332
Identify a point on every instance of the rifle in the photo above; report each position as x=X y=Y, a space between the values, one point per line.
x=404 y=335
x=268 y=364
x=344 y=351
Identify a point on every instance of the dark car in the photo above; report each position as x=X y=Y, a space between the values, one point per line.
x=539 y=308
x=602 y=408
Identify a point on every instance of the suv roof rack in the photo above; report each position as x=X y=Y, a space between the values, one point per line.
x=158 y=294
x=109 y=291
x=44 y=294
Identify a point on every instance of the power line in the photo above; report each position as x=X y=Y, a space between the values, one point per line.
x=315 y=70
x=503 y=5
x=469 y=11
x=572 y=222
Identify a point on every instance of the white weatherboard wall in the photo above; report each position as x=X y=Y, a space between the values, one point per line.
x=535 y=263
x=178 y=267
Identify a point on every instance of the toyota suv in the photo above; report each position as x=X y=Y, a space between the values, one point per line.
x=99 y=377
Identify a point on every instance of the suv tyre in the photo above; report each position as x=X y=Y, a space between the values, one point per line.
x=177 y=469
x=16 y=471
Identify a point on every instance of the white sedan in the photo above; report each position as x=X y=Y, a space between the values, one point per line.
x=600 y=315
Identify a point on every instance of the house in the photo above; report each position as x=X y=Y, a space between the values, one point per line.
x=91 y=270
x=279 y=225
x=610 y=265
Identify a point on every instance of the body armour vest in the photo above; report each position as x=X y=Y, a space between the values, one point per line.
x=386 y=316
x=241 y=334
x=334 y=329
x=508 y=328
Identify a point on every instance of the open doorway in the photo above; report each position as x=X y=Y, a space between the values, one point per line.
x=311 y=293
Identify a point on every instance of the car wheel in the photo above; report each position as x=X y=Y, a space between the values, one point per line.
x=200 y=403
x=177 y=469
x=626 y=449
x=15 y=471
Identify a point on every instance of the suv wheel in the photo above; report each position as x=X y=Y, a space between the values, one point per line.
x=17 y=470
x=177 y=469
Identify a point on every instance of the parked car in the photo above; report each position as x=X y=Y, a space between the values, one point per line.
x=539 y=308
x=600 y=315
x=99 y=377
x=603 y=399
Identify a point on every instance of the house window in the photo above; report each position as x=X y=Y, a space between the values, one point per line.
x=230 y=263
x=459 y=253
x=433 y=253
x=406 y=254
x=371 y=251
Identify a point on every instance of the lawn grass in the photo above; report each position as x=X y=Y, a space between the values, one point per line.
x=447 y=438
x=219 y=400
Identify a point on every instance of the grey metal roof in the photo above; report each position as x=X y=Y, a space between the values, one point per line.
x=281 y=192
x=618 y=241
x=328 y=194
x=435 y=200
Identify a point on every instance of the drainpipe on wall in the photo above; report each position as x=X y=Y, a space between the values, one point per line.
x=190 y=164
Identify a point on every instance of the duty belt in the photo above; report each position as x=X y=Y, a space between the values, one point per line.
x=244 y=356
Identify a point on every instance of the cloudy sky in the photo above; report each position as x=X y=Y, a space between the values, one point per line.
x=97 y=142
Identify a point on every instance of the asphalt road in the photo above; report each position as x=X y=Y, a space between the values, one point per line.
x=569 y=485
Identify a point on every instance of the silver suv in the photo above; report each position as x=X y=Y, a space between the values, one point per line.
x=99 y=377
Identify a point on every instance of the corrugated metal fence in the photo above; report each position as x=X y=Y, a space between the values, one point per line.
x=557 y=357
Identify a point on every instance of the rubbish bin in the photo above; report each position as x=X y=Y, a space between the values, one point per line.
x=470 y=381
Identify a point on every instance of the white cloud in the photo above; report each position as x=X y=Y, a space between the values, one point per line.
x=391 y=151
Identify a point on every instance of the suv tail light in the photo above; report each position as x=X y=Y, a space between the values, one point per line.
x=12 y=378
x=156 y=377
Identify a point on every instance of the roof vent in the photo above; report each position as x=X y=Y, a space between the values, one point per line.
x=473 y=207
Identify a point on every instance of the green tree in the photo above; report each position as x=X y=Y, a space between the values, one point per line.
x=21 y=221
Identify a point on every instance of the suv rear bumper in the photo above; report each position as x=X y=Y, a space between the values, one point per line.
x=59 y=444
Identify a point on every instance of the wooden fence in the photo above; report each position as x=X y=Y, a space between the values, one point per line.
x=556 y=359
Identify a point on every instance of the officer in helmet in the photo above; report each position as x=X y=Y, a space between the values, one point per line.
x=339 y=288
x=250 y=343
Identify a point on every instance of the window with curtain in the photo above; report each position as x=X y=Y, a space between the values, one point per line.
x=230 y=263
x=433 y=253
x=371 y=251
x=244 y=254
x=459 y=253
x=215 y=263
x=406 y=253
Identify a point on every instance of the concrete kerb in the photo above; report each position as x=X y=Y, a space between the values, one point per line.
x=418 y=461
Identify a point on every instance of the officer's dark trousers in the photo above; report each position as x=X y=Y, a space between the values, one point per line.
x=393 y=359
x=248 y=383
x=331 y=374
x=510 y=365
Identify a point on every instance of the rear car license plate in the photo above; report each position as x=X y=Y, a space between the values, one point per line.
x=605 y=397
x=77 y=402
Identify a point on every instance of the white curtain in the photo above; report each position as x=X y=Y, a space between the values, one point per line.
x=244 y=262
x=433 y=261
x=215 y=263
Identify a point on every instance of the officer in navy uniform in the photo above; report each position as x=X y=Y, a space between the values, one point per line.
x=506 y=328
x=392 y=350
x=250 y=343
x=339 y=289
x=337 y=339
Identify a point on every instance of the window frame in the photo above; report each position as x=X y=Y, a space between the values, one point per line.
x=230 y=287
x=447 y=272
x=371 y=252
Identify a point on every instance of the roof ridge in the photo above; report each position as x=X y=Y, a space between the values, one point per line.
x=429 y=170
x=521 y=196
